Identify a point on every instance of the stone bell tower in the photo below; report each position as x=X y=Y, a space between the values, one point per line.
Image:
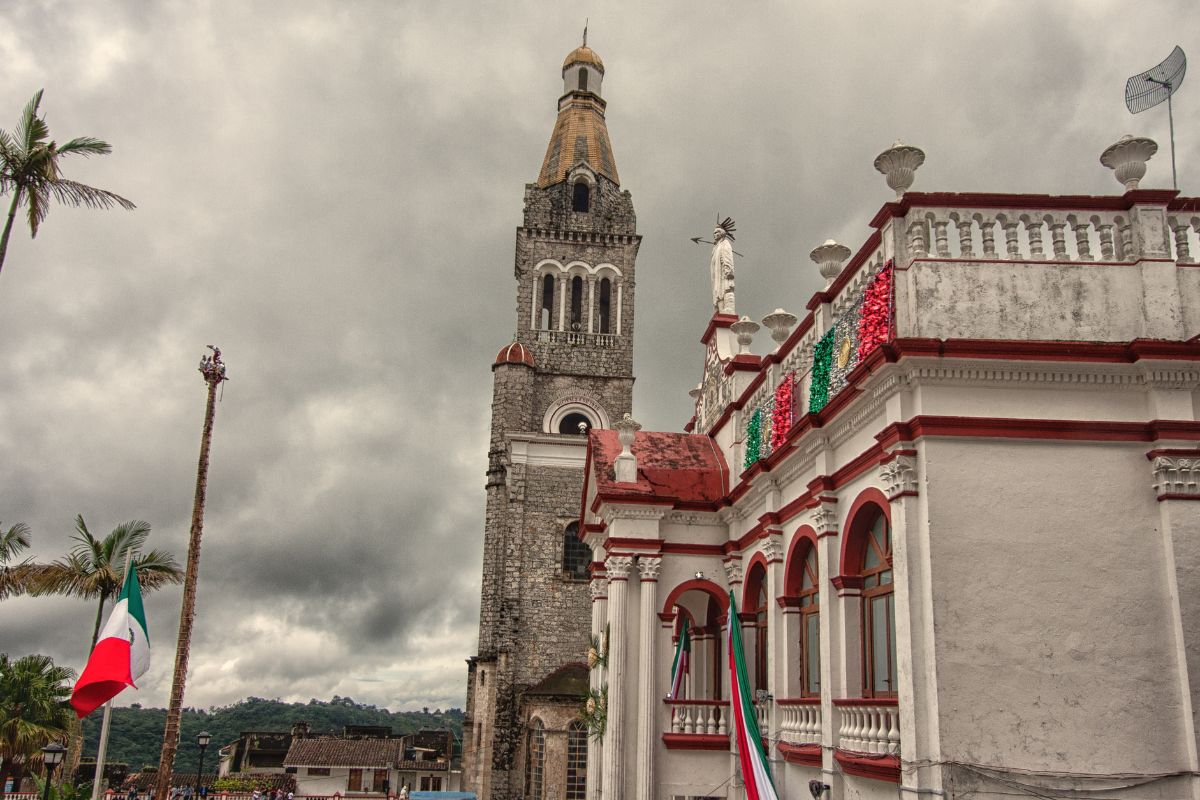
x=567 y=367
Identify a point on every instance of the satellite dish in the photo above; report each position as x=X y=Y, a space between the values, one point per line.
x=1147 y=89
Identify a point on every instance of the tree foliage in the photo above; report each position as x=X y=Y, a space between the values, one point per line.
x=30 y=169
x=136 y=735
x=34 y=693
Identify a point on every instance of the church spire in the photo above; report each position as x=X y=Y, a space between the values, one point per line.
x=580 y=135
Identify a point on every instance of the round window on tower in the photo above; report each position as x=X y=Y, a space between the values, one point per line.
x=575 y=423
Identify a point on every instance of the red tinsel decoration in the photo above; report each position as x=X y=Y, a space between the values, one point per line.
x=784 y=413
x=875 y=324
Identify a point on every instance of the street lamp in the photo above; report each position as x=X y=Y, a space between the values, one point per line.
x=52 y=756
x=201 y=739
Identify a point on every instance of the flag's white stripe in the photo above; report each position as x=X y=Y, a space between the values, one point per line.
x=123 y=625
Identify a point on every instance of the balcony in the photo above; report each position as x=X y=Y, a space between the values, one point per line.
x=868 y=740
x=697 y=725
x=800 y=730
x=579 y=338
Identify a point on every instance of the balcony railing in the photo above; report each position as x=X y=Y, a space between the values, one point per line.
x=800 y=720
x=703 y=717
x=579 y=338
x=868 y=725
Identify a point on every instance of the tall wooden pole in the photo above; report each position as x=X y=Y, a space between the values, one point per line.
x=213 y=370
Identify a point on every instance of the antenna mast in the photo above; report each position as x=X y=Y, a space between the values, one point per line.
x=1147 y=89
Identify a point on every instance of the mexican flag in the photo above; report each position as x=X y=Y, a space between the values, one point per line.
x=756 y=770
x=122 y=653
x=679 y=668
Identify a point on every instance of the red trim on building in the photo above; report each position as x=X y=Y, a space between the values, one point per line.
x=807 y=754
x=865 y=765
x=717 y=321
x=850 y=561
x=795 y=558
x=701 y=584
x=689 y=549
x=653 y=545
x=696 y=741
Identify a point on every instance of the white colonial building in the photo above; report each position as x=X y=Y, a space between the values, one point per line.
x=956 y=505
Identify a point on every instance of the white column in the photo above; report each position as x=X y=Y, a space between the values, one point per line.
x=612 y=778
x=596 y=677
x=591 y=302
x=648 y=695
x=620 y=285
x=561 y=283
x=533 y=310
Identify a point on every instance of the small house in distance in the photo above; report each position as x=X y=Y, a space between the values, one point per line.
x=378 y=763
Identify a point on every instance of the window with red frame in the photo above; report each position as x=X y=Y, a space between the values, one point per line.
x=878 y=611
x=810 y=626
x=756 y=603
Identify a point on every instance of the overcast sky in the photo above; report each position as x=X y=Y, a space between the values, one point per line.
x=329 y=192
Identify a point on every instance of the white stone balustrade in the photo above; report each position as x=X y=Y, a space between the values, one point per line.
x=800 y=721
x=576 y=337
x=865 y=726
x=1020 y=235
x=704 y=717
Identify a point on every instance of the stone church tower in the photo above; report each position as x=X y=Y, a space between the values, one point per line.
x=569 y=367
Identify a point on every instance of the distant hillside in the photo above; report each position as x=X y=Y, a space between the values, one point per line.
x=136 y=736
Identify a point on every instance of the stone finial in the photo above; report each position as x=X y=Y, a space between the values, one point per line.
x=695 y=393
x=1127 y=159
x=829 y=258
x=626 y=464
x=899 y=165
x=744 y=329
x=780 y=323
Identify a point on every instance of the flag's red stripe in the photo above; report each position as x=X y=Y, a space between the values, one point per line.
x=735 y=695
x=106 y=674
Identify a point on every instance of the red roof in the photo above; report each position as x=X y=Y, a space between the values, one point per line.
x=682 y=467
x=515 y=353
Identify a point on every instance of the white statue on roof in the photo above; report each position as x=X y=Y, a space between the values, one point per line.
x=720 y=267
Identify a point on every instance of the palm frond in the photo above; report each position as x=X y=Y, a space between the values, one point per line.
x=85 y=146
x=158 y=568
x=38 y=207
x=13 y=541
x=31 y=130
x=80 y=194
x=18 y=579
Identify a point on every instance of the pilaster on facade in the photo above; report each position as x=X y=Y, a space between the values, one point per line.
x=733 y=570
x=1176 y=474
x=899 y=474
x=824 y=518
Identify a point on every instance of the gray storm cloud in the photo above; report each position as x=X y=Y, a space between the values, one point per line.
x=328 y=191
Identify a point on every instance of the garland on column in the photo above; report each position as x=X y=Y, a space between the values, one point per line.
x=818 y=393
x=783 y=414
x=753 y=439
x=875 y=324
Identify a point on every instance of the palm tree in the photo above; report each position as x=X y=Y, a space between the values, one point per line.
x=29 y=168
x=33 y=709
x=95 y=568
x=14 y=578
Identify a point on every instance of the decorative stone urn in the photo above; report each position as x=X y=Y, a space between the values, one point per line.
x=899 y=165
x=1127 y=159
x=744 y=329
x=780 y=324
x=829 y=258
x=626 y=463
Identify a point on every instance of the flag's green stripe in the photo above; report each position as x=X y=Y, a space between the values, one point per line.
x=132 y=592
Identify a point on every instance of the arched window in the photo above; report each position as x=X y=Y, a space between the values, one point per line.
x=577 y=556
x=575 y=423
x=756 y=602
x=576 y=761
x=535 y=759
x=810 y=626
x=546 y=313
x=878 y=608
x=583 y=79
x=576 y=303
x=714 y=626
x=581 y=197
x=605 y=304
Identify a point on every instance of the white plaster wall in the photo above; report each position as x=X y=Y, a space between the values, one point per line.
x=1189 y=295
x=1020 y=300
x=1050 y=608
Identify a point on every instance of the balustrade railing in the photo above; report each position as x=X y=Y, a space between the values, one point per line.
x=868 y=726
x=579 y=338
x=800 y=720
x=707 y=717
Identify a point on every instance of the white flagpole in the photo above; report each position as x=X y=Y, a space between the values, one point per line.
x=103 y=751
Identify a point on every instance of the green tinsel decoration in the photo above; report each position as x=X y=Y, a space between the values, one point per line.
x=818 y=392
x=754 y=438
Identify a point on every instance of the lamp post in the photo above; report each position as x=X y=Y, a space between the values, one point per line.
x=201 y=739
x=52 y=756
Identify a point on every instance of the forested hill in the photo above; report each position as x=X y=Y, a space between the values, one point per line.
x=136 y=736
